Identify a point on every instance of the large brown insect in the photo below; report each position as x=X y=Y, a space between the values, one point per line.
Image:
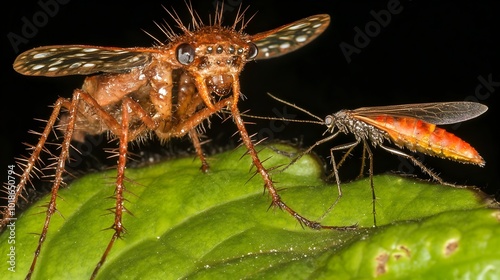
x=167 y=90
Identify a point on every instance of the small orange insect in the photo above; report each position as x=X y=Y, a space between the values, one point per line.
x=167 y=90
x=410 y=126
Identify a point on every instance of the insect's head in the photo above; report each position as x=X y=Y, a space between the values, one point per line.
x=330 y=122
x=215 y=55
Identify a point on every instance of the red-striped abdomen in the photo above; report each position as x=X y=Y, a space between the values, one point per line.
x=427 y=138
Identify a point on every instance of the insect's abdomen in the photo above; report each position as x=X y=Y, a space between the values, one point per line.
x=417 y=135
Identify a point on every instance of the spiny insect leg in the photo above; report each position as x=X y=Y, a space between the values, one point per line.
x=335 y=171
x=31 y=162
x=198 y=117
x=366 y=148
x=189 y=126
x=310 y=149
x=425 y=169
x=193 y=134
x=349 y=147
x=363 y=159
x=119 y=187
x=51 y=208
x=344 y=158
x=267 y=178
x=128 y=105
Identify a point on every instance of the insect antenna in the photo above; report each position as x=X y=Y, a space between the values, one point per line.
x=320 y=120
x=276 y=118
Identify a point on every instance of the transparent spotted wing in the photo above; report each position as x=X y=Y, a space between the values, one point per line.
x=290 y=37
x=62 y=60
x=79 y=60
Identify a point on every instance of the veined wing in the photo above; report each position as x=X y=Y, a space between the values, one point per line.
x=435 y=113
x=63 y=60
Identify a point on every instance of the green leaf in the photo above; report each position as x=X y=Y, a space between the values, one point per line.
x=187 y=224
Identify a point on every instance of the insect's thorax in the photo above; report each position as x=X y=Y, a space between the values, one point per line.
x=347 y=123
x=167 y=95
x=109 y=91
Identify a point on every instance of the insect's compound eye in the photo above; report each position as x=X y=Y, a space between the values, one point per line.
x=253 y=50
x=185 y=54
x=329 y=121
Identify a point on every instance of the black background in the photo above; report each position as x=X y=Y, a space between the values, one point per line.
x=431 y=51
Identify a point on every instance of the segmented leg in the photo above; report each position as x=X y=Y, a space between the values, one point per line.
x=127 y=105
x=268 y=181
x=303 y=153
x=349 y=147
x=335 y=172
x=193 y=134
x=29 y=164
x=276 y=199
x=124 y=137
x=51 y=207
x=344 y=158
x=366 y=148
x=113 y=125
x=425 y=169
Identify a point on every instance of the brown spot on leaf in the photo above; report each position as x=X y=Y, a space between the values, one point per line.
x=403 y=252
x=381 y=264
x=451 y=247
x=406 y=250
